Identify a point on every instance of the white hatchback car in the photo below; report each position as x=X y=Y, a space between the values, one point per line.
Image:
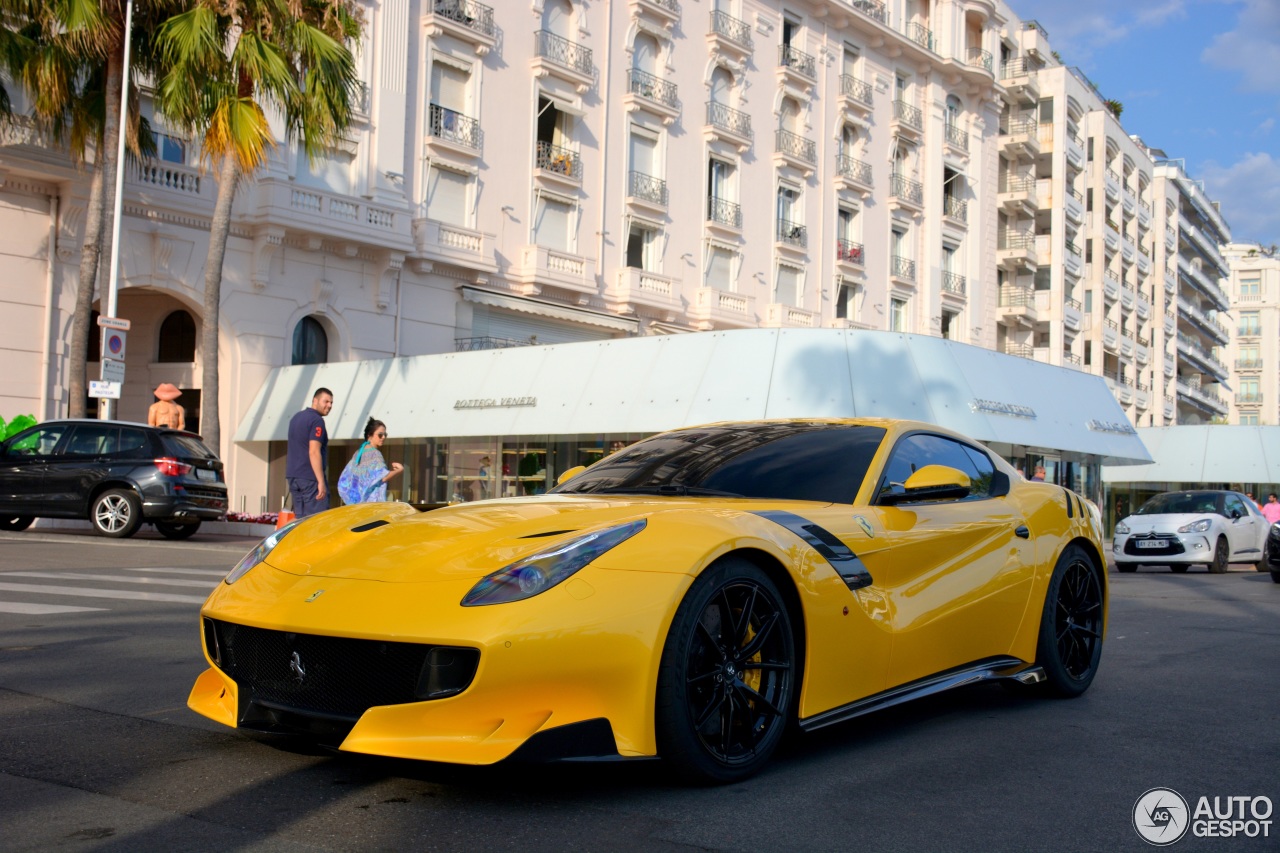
x=1181 y=529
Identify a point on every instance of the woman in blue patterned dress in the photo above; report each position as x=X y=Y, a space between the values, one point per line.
x=364 y=480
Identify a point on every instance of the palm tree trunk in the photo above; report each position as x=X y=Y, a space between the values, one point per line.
x=78 y=356
x=219 y=229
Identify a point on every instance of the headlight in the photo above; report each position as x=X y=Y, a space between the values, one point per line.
x=543 y=570
x=1196 y=526
x=259 y=553
x=1122 y=529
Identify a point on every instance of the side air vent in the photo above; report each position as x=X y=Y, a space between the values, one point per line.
x=548 y=533
x=372 y=524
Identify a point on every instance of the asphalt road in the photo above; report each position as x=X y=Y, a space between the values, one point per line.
x=99 y=752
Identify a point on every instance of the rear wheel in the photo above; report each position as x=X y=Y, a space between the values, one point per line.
x=116 y=513
x=1221 y=554
x=15 y=523
x=1263 y=563
x=173 y=530
x=727 y=677
x=1070 y=643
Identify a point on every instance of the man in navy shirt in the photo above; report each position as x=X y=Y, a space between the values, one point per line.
x=307 y=454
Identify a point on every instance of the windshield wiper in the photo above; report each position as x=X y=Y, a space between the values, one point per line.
x=673 y=489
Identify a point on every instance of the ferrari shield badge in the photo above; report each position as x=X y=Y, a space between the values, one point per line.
x=865 y=525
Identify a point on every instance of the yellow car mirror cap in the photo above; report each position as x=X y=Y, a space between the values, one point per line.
x=937 y=476
x=570 y=474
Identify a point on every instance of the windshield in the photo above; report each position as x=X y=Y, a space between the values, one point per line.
x=782 y=461
x=1182 y=503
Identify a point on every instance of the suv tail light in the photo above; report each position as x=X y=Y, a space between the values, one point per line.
x=172 y=467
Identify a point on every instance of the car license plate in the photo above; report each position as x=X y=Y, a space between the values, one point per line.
x=1151 y=543
x=206 y=474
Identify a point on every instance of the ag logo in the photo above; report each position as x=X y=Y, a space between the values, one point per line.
x=1161 y=816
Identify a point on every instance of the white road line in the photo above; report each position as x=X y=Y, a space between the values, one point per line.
x=42 y=609
x=204 y=573
x=78 y=576
x=90 y=592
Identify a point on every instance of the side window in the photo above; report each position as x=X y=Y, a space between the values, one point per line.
x=1236 y=507
x=916 y=451
x=91 y=440
x=133 y=444
x=38 y=442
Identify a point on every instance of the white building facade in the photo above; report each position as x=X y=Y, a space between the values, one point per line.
x=1254 y=290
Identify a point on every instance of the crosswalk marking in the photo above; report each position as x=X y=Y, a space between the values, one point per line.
x=80 y=576
x=91 y=592
x=42 y=609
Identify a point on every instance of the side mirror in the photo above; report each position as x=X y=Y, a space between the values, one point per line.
x=1236 y=514
x=570 y=474
x=932 y=483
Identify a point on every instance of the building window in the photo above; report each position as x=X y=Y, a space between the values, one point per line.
x=897 y=315
x=847 y=300
x=551 y=224
x=950 y=326
x=1250 y=289
x=719 y=271
x=450 y=105
x=554 y=136
x=790 y=228
x=642 y=246
x=788 y=285
x=1250 y=323
x=1249 y=420
x=170 y=149
x=177 y=343
x=448 y=195
x=310 y=342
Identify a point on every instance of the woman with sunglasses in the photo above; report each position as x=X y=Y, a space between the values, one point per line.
x=365 y=478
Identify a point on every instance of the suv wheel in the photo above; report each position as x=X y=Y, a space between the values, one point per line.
x=116 y=513
x=173 y=530
x=14 y=523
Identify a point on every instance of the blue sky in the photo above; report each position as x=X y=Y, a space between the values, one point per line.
x=1198 y=78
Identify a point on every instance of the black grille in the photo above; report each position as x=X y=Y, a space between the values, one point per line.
x=332 y=676
x=1169 y=545
x=206 y=495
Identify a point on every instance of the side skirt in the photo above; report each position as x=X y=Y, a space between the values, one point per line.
x=990 y=669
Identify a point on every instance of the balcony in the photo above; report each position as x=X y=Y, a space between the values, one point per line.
x=724 y=213
x=1128 y=251
x=484 y=342
x=729 y=124
x=854 y=174
x=856 y=95
x=956 y=137
x=1128 y=202
x=1144 y=307
x=1111 y=234
x=902 y=269
x=1110 y=335
x=558 y=57
x=1073 y=207
x=1017 y=305
x=1018 y=193
x=460 y=133
x=1072 y=260
x=953 y=283
x=1143 y=353
x=1248 y=398
x=798 y=66
x=453 y=245
x=650 y=92
x=1170 y=281
x=792 y=234
x=636 y=288
x=1019 y=79
x=730 y=35
x=1144 y=216
x=1206 y=401
x=976 y=57
x=794 y=150
x=712 y=308
x=920 y=34
x=315 y=213
x=1248 y=364
x=957 y=210
x=1016 y=249
x=1072 y=315
x=1208 y=325
x=465 y=20
x=646 y=190
x=777 y=315
x=1020 y=135
x=562 y=164
x=1144 y=263
x=1075 y=151
x=849 y=252
x=1111 y=185
x=1110 y=286
x=1170 y=239
x=1200 y=281
x=905 y=192
x=542 y=266
x=908 y=121
x=1128 y=297
x=1202 y=358
x=665 y=12
x=873 y=9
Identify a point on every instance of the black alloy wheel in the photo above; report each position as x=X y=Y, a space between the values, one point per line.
x=1221 y=554
x=173 y=530
x=726 y=683
x=15 y=523
x=1070 y=643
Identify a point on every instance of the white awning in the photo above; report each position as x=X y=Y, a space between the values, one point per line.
x=1205 y=453
x=548 y=309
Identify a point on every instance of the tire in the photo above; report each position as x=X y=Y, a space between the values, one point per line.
x=116 y=513
x=16 y=523
x=1263 y=563
x=1275 y=577
x=1126 y=568
x=1070 y=644
x=1221 y=556
x=173 y=530
x=1179 y=568
x=726 y=687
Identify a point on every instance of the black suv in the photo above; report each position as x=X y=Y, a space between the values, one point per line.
x=115 y=473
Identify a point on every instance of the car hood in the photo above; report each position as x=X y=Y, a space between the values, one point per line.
x=395 y=543
x=1165 y=522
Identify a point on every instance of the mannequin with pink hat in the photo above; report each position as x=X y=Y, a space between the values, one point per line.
x=164 y=412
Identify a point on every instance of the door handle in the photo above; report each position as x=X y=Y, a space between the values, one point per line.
x=1022 y=532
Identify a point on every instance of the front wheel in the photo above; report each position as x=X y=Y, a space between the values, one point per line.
x=1070 y=643
x=16 y=523
x=116 y=513
x=173 y=530
x=727 y=678
x=1221 y=554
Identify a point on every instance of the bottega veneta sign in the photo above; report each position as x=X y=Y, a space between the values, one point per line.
x=495 y=402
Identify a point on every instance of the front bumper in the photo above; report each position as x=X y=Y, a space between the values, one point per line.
x=1181 y=548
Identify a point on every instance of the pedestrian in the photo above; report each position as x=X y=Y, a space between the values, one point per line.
x=365 y=478
x=1253 y=500
x=164 y=412
x=307 y=455
x=1038 y=476
x=1271 y=510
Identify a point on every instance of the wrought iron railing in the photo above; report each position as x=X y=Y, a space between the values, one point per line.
x=1008 y=239
x=1019 y=184
x=562 y=161
x=850 y=252
x=858 y=90
x=920 y=34
x=956 y=135
x=1017 y=297
x=902 y=267
x=953 y=282
x=724 y=212
x=727 y=118
x=1019 y=123
x=978 y=58
x=792 y=232
x=486 y=342
x=444 y=123
x=472 y=15
x=795 y=145
x=729 y=27
x=798 y=60
x=854 y=169
x=1019 y=67
x=872 y=9
x=654 y=88
x=908 y=115
x=955 y=208
x=563 y=52
x=902 y=187
x=647 y=187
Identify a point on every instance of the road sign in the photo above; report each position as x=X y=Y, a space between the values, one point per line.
x=113 y=341
x=114 y=323
x=104 y=389
x=113 y=371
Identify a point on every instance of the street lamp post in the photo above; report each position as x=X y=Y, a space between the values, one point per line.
x=113 y=286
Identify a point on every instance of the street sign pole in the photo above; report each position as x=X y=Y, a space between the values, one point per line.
x=113 y=288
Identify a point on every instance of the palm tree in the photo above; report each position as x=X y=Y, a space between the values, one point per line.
x=228 y=61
